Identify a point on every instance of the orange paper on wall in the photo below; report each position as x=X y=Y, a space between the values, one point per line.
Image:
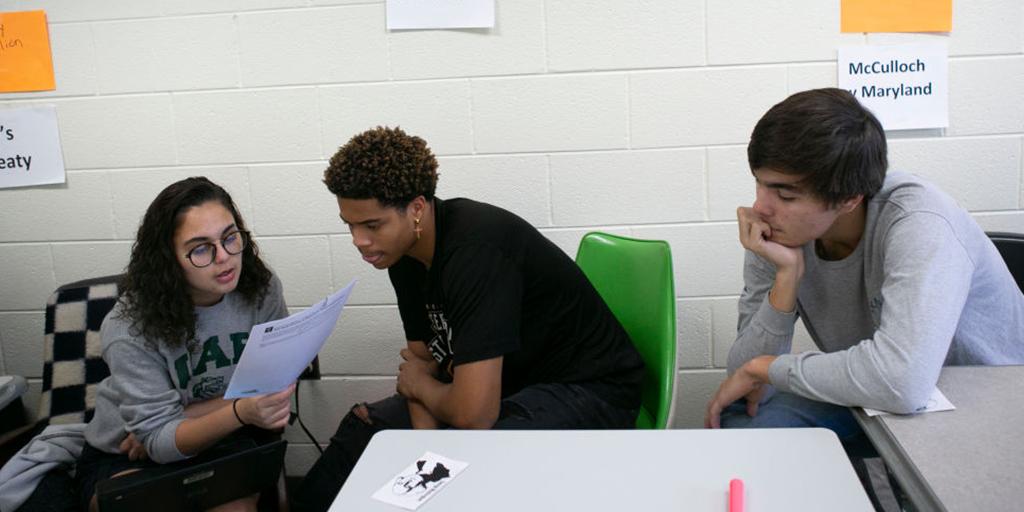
x=897 y=15
x=25 y=60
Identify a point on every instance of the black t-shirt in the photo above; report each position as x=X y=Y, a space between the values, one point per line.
x=497 y=287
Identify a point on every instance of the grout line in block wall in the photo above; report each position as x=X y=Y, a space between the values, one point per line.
x=639 y=228
x=706 y=51
x=265 y=10
x=320 y=122
x=789 y=89
x=113 y=214
x=3 y=357
x=238 y=49
x=93 y=60
x=330 y=263
x=582 y=72
x=472 y=111
x=544 y=30
x=707 y=184
x=540 y=152
x=551 y=204
x=387 y=51
x=252 y=204
x=711 y=338
x=629 y=112
x=356 y=83
x=53 y=264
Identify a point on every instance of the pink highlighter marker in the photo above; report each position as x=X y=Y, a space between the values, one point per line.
x=735 y=495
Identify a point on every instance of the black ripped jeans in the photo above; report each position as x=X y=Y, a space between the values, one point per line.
x=537 y=407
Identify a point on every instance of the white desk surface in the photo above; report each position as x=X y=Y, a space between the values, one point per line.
x=626 y=470
x=971 y=458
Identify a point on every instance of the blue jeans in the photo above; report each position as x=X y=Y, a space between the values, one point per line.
x=786 y=410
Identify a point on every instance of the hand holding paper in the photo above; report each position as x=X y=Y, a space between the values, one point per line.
x=277 y=351
x=270 y=412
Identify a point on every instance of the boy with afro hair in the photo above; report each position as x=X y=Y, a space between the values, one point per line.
x=504 y=331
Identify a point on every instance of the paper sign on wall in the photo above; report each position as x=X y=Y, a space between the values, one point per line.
x=25 y=60
x=896 y=15
x=905 y=86
x=413 y=14
x=30 y=147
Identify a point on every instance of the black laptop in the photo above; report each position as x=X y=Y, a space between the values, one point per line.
x=197 y=487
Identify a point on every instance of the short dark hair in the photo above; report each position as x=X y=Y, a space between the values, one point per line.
x=826 y=136
x=385 y=164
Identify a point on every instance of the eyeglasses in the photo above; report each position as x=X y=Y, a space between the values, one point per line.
x=203 y=255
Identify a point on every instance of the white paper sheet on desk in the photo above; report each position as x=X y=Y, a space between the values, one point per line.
x=936 y=402
x=277 y=351
x=420 y=481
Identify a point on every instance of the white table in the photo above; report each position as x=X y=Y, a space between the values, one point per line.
x=963 y=460
x=623 y=471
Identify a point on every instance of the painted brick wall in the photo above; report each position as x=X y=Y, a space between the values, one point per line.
x=629 y=116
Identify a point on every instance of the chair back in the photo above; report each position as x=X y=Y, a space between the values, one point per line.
x=634 y=277
x=1011 y=247
x=72 y=361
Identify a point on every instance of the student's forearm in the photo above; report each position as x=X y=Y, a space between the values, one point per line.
x=434 y=397
x=196 y=434
x=205 y=407
x=421 y=417
x=767 y=331
x=443 y=402
x=762 y=329
x=783 y=294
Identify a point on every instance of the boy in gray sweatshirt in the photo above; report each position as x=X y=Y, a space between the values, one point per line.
x=890 y=276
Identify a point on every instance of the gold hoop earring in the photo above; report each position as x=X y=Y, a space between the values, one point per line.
x=417 y=229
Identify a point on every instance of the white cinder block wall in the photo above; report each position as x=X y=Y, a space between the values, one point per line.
x=629 y=116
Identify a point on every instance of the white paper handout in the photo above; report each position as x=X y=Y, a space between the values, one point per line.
x=277 y=351
x=936 y=402
x=30 y=151
x=420 y=481
x=425 y=14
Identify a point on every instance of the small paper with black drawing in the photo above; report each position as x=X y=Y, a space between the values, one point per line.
x=420 y=481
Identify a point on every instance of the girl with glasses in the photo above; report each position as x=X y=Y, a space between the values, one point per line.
x=194 y=287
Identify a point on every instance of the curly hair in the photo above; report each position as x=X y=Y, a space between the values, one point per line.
x=385 y=164
x=826 y=136
x=154 y=293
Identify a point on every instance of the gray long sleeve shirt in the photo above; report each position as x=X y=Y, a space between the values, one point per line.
x=924 y=287
x=149 y=387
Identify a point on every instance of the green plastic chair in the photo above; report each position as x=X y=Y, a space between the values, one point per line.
x=634 y=277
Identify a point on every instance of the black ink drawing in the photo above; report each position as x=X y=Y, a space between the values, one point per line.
x=420 y=481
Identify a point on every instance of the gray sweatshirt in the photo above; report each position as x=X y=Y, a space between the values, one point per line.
x=924 y=287
x=148 y=389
